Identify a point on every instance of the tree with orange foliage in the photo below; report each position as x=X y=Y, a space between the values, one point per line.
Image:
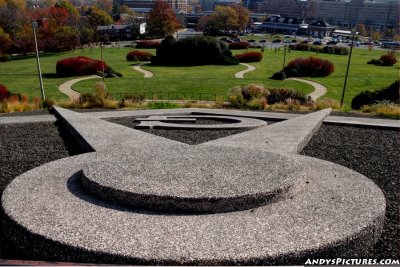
x=162 y=20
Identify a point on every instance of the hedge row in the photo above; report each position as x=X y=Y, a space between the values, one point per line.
x=338 y=50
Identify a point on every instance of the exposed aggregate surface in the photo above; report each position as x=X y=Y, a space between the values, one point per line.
x=372 y=152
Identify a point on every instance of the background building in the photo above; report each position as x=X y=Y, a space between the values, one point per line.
x=377 y=14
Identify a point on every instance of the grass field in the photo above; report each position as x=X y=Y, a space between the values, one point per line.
x=21 y=76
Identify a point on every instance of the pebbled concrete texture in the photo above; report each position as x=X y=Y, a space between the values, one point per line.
x=288 y=136
x=340 y=213
x=166 y=122
x=194 y=179
x=136 y=199
x=99 y=135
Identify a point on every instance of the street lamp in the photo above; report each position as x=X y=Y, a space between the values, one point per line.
x=102 y=62
x=35 y=26
x=347 y=70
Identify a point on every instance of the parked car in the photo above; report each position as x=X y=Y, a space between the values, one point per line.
x=262 y=41
x=331 y=43
x=251 y=41
x=317 y=43
x=293 y=41
x=277 y=41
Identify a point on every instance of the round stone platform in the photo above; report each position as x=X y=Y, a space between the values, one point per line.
x=168 y=122
x=194 y=179
x=49 y=215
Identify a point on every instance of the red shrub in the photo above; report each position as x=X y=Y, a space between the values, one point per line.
x=138 y=56
x=309 y=67
x=79 y=66
x=4 y=93
x=388 y=59
x=239 y=45
x=250 y=57
x=147 y=44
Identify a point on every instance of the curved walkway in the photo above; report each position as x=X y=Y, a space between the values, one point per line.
x=66 y=87
x=319 y=89
x=240 y=74
x=147 y=74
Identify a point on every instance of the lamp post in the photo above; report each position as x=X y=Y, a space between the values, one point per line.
x=102 y=62
x=347 y=70
x=35 y=26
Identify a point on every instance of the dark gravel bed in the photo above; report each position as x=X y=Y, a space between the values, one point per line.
x=26 y=113
x=376 y=154
x=26 y=146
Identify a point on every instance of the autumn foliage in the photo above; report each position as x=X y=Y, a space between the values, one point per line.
x=309 y=67
x=239 y=45
x=4 y=93
x=138 y=56
x=147 y=44
x=79 y=66
x=388 y=59
x=250 y=57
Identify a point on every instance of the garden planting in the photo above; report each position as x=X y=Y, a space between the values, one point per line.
x=193 y=51
x=249 y=57
x=81 y=66
x=139 y=56
x=306 y=67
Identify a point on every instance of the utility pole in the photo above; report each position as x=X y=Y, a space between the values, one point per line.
x=35 y=26
x=347 y=70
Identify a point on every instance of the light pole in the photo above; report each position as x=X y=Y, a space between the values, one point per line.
x=102 y=62
x=35 y=26
x=347 y=70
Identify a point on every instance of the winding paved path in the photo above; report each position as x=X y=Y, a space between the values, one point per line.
x=66 y=87
x=240 y=74
x=147 y=74
x=319 y=89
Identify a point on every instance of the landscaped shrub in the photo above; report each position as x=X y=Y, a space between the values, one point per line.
x=327 y=49
x=81 y=65
x=309 y=67
x=388 y=59
x=139 y=56
x=193 y=51
x=249 y=57
x=390 y=93
x=280 y=75
x=280 y=95
x=375 y=62
x=384 y=109
x=147 y=44
x=129 y=99
x=4 y=93
x=239 y=45
x=5 y=57
x=252 y=96
x=326 y=102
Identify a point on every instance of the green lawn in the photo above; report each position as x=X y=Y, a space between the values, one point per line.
x=21 y=76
